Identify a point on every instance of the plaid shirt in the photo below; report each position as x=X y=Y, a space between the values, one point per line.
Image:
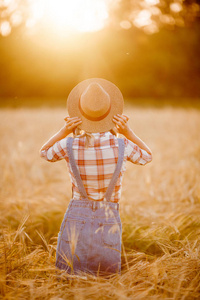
x=97 y=162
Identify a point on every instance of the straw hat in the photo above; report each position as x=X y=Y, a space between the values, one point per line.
x=95 y=101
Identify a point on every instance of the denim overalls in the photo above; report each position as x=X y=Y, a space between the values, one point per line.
x=90 y=235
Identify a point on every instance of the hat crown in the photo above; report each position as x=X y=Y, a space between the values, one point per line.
x=95 y=101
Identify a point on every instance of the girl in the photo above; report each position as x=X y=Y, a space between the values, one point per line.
x=90 y=235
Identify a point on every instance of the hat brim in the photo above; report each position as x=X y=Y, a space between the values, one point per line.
x=117 y=105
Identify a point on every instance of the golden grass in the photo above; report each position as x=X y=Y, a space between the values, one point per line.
x=160 y=211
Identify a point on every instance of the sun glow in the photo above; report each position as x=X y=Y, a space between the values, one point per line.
x=78 y=15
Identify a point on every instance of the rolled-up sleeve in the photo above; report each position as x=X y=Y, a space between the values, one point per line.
x=137 y=155
x=57 y=152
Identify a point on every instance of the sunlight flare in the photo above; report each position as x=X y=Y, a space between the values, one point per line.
x=76 y=15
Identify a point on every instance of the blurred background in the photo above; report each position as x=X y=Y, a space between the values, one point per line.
x=148 y=48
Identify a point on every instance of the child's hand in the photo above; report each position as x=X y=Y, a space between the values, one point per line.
x=121 y=124
x=71 y=124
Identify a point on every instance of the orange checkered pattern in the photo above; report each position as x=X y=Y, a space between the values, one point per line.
x=97 y=162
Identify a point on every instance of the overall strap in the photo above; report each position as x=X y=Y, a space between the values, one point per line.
x=117 y=171
x=75 y=169
x=114 y=178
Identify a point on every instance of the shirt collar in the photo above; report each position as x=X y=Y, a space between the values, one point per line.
x=101 y=134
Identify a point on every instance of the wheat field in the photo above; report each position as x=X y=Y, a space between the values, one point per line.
x=159 y=207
